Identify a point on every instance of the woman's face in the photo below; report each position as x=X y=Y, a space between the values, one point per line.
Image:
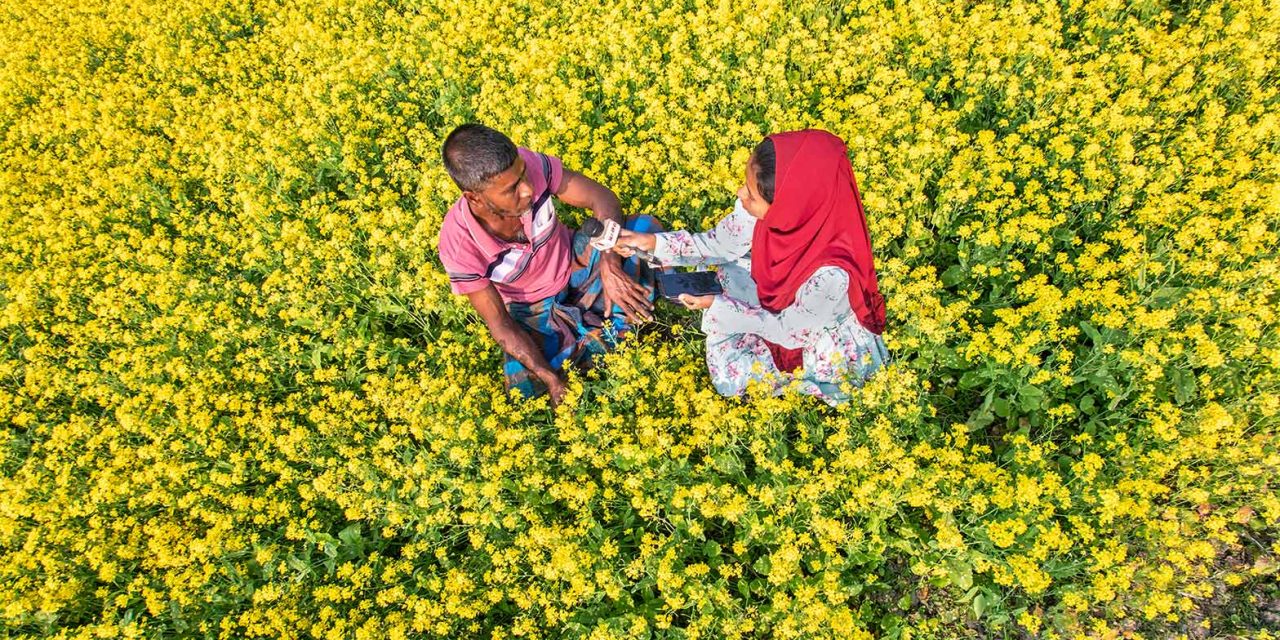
x=749 y=194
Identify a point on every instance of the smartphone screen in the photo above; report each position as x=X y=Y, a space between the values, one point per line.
x=698 y=283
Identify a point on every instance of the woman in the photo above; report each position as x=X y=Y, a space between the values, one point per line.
x=796 y=266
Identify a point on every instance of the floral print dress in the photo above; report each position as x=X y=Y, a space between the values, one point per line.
x=836 y=347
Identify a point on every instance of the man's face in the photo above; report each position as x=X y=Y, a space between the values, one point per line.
x=506 y=195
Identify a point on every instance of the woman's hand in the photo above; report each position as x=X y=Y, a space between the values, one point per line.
x=628 y=241
x=696 y=303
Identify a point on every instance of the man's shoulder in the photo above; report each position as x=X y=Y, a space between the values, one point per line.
x=455 y=241
x=538 y=164
x=543 y=168
x=453 y=224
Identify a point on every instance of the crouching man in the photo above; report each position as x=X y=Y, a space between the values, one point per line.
x=544 y=293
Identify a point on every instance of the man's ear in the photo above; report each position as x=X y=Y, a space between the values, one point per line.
x=475 y=202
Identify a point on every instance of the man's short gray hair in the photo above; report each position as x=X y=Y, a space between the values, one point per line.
x=474 y=153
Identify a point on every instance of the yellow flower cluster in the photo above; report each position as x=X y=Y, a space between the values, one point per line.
x=238 y=400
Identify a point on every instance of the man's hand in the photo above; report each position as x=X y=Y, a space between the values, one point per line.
x=515 y=341
x=556 y=388
x=580 y=191
x=620 y=289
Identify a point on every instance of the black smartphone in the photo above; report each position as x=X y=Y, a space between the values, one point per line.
x=696 y=283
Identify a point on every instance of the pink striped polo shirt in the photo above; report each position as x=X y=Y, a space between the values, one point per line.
x=520 y=271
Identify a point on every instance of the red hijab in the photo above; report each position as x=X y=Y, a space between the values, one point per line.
x=816 y=220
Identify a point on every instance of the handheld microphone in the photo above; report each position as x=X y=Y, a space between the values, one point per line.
x=604 y=236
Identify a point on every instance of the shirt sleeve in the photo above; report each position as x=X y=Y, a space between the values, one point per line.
x=821 y=302
x=463 y=284
x=726 y=242
x=536 y=170
x=465 y=276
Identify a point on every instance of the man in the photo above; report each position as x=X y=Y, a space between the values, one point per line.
x=541 y=289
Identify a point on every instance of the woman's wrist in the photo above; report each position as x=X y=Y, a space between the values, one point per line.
x=638 y=240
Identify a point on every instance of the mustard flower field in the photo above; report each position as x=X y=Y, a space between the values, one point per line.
x=237 y=398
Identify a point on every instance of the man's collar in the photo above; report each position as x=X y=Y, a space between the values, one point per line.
x=487 y=241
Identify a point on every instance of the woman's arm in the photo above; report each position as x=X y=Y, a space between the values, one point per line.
x=728 y=241
x=820 y=303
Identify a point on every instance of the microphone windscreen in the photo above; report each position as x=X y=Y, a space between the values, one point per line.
x=592 y=227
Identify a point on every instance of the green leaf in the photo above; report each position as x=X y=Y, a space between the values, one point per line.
x=1105 y=380
x=1184 y=386
x=297 y=564
x=952 y=275
x=891 y=624
x=948 y=357
x=980 y=418
x=727 y=463
x=857 y=557
x=979 y=606
x=351 y=537
x=1030 y=398
x=961 y=574
x=971 y=380
x=1087 y=404
x=1093 y=334
x=1001 y=407
x=1164 y=297
x=762 y=565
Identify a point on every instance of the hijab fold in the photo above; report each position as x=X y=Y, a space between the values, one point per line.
x=816 y=220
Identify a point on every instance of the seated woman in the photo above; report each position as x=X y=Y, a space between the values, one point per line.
x=796 y=266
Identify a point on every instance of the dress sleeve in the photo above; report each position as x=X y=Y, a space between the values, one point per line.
x=821 y=302
x=728 y=241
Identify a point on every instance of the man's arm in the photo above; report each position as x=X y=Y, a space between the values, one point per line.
x=580 y=191
x=514 y=340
